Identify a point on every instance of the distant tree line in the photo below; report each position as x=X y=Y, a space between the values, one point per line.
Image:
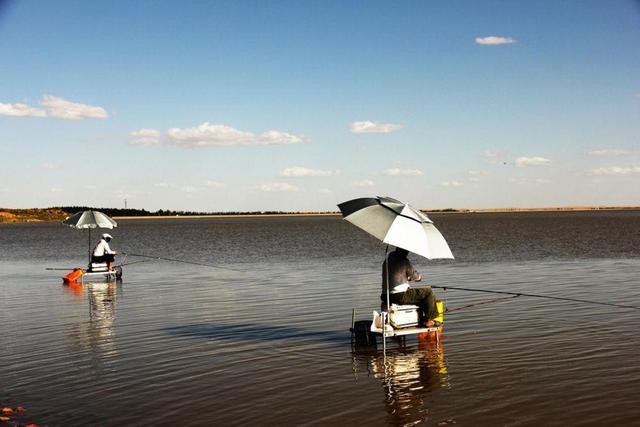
x=165 y=212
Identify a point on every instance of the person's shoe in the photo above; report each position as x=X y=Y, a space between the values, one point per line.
x=429 y=324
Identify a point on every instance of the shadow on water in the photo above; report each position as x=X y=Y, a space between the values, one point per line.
x=409 y=375
x=256 y=332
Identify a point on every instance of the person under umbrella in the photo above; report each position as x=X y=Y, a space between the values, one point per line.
x=103 y=253
x=400 y=273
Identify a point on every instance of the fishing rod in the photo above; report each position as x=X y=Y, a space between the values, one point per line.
x=182 y=261
x=134 y=262
x=522 y=294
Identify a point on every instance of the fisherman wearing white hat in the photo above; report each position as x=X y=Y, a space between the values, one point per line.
x=103 y=253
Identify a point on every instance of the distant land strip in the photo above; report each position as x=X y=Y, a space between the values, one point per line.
x=59 y=213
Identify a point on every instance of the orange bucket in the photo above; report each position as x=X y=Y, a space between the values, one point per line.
x=73 y=276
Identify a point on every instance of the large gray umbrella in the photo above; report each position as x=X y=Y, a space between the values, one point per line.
x=90 y=219
x=397 y=224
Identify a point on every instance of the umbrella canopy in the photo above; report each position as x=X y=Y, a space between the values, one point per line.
x=397 y=224
x=90 y=219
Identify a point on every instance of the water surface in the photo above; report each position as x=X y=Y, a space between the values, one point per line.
x=265 y=340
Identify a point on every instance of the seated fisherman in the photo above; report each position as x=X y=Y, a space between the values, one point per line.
x=103 y=253
x=401 y=272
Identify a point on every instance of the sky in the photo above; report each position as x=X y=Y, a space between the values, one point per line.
x=229 y=106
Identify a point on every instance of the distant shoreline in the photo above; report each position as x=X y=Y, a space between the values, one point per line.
x=230 y=215
x=13 y=216
x=436 y=211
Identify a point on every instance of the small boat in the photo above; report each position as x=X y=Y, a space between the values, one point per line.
x=93 y=274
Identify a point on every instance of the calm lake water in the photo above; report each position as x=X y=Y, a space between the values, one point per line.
x=266 y=340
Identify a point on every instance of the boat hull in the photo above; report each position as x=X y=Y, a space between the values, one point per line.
x=102 y=276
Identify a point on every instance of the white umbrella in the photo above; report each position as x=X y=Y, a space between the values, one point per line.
x=397 y=224
x=90 y=219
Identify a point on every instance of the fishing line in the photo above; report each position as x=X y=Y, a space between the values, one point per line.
x=448 y=310
x=135 y=262
x=521 y=294
x=182 y=261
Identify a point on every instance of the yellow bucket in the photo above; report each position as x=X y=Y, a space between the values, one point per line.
x=440 y=308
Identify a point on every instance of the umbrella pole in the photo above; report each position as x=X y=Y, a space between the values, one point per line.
x=89 y=251
x=386 y=316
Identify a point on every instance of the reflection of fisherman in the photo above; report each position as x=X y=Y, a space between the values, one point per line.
x=409 y=377
x=401 y=272
x=103 y=253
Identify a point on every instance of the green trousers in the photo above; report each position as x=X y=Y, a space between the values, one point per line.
x=422 y=297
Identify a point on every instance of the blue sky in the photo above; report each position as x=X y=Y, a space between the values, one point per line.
x=239 y=105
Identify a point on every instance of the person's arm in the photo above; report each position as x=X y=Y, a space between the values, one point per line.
x=107 y=249
x=412 y=273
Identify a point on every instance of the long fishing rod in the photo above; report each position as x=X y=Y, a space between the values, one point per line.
x=522 y=294
x=182 y=261
x=135 y=262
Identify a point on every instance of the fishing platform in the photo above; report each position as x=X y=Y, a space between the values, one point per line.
x=397 y=321
x=95 y=273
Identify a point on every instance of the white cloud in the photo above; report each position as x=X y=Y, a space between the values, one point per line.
x=49 y=166
x=531 y=161
x=145 y=137
x=542 y=181
x=402 y=172
x=278 y=137
x=277 y=187
x=214 y=184
x=494 y=40
x=364 y=183
x=55 y=107
x=56 y=190
x=20 y=110
x=64 y=109
x=608 y=152
x=208 y=134
x=301 y=172
x=492 y=154
x=451 y=184
x=616 y=170
x=374 y=127
x=162 y=185
x=495 y=156
x=189 y=189
x=90 y=187
x=474 y=175
x=325 y=191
